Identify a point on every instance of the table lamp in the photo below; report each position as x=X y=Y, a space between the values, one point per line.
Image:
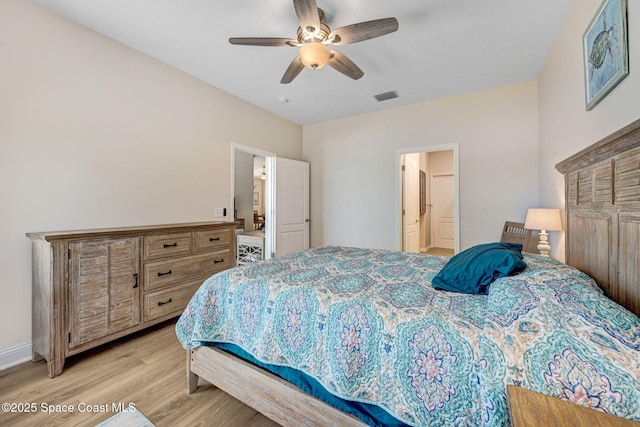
x=543 y=220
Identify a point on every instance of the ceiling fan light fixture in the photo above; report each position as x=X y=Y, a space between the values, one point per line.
x=315 y=37
x=314 y=55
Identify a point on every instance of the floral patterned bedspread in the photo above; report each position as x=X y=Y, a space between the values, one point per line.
x=368 y=326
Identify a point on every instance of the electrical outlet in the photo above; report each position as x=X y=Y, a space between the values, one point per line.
x=219 y=212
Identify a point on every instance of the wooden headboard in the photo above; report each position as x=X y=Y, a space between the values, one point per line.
x=602 y=196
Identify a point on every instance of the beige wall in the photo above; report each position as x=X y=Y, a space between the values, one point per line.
x=94 y=134
x=502 y=140
x=353 y=182
x=565 y=125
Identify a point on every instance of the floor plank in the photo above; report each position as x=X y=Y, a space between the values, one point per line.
x=146 y=369
x=439 y=251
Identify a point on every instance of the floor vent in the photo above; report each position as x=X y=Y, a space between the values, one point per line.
x=386 y=96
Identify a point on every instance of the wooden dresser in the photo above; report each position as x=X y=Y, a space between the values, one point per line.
x=93 y=286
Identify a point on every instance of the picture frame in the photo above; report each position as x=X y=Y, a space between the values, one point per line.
x=256 y=198
x=605 y=51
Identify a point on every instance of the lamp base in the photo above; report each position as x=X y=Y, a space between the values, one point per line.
x=543 y=245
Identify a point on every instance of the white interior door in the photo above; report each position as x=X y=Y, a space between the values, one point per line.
x=443 y=217
x=291 y=206
x=411 y=202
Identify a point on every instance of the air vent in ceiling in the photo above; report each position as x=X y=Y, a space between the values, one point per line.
x=386 y=96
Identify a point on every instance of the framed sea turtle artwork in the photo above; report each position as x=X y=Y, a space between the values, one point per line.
x=606 y=53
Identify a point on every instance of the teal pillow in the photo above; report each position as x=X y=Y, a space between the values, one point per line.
x=473 y=270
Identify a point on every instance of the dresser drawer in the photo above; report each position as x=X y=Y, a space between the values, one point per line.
x=168 y=302
x=159 y=274
x=211 y=239
x=165 y=245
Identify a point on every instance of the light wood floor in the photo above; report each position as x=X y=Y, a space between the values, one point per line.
x=147 y=369
x=439 y=251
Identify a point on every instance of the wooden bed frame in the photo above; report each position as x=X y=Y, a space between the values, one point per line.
x=602 y=199
x=514 y=232
x=268 y=394
x=602 y=235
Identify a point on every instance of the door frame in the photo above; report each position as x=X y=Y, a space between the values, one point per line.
x=456 y=196
x=269 y=192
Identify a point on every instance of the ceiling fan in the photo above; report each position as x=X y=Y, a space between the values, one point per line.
x=315 y=37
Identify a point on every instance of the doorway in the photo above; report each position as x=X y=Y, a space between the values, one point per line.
x=271 y=196
x=428 y=200
x=252 y=193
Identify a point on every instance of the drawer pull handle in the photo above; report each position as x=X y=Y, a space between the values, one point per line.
x=216 y=261
x=213 y=239
x=160 y=273
x=135 y=276
x=164 y=302
x=170 y=245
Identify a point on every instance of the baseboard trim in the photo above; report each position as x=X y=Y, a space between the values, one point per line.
x=15 y=355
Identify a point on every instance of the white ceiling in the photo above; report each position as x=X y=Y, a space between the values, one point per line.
x=442 y=47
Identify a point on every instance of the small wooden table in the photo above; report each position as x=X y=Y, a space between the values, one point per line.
x=531 y=409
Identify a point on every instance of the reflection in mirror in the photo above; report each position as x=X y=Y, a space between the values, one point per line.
x=251 y=202
x=249 y=190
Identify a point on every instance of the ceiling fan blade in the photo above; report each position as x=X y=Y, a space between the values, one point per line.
x=294 y=69
x=346 y=66
x=307 y=12
x=363 y=31
x=262 y=41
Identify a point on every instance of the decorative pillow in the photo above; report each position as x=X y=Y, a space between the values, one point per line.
x=473 y=270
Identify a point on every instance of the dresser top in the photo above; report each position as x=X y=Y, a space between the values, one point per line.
x=531 y=409
x=124 y=231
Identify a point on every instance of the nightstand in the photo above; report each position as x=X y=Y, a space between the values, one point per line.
x=531 y=409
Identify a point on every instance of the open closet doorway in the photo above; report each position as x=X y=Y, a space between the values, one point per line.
x=428 y=200
x=252 y=200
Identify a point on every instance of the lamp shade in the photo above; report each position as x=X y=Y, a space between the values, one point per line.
x=314 y=55
x=543 y=219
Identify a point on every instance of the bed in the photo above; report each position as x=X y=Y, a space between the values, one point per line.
x=367 y=327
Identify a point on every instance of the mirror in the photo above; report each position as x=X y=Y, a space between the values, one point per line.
x=252 y=200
